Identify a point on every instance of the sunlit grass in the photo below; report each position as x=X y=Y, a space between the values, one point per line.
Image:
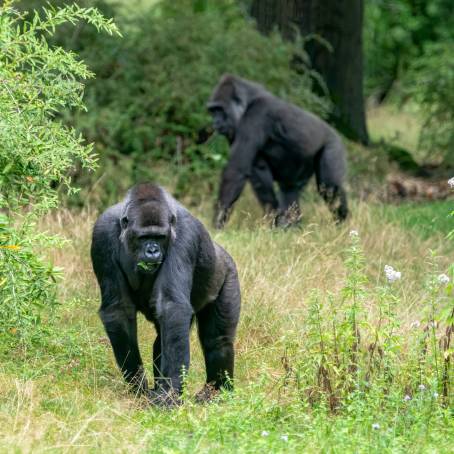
x=396 y=125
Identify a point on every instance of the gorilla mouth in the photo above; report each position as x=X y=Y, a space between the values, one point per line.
x=148 y=267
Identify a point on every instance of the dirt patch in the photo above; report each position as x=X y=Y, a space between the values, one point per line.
x=400 y=187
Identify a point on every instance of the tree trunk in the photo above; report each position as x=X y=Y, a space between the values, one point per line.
x=340 y=23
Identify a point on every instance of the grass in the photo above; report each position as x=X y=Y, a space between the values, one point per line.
x=397 y=125
x=427 y=218
x=64 y=393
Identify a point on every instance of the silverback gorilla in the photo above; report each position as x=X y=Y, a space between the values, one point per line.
x=151 y=255
x=274 y=141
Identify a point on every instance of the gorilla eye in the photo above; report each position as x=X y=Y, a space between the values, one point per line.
x=216 y=110
x=124 y=222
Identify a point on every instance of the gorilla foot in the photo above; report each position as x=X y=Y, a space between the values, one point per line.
x=282 y=221
x=206 y=394
x=164 y=399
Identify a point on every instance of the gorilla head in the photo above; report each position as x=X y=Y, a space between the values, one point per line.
x=228 y=103
x=146 y=227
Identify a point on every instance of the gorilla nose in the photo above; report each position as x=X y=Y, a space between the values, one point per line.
x=153 y=251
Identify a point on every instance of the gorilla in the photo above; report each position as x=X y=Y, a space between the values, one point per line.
x=274 y=141
x=150 y=255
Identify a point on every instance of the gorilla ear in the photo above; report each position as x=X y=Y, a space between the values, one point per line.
x=238 y=110
x=124 y=222
x=173 y=227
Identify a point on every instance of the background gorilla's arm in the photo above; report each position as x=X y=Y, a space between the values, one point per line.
x=249 y=139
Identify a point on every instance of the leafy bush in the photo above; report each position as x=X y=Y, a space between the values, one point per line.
x=431 y=84
x=36 y=151
x=149 y=96
x=396 y=33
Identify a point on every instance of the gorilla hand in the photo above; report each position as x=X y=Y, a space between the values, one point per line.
x=220 y=218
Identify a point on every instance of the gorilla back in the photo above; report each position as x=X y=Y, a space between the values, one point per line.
x=274 y=141
x=151 y=255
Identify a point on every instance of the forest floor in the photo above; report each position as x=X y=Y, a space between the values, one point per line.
x=65 y=394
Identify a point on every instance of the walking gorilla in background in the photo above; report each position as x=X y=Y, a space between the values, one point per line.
x=151 y=255
x=274 y=141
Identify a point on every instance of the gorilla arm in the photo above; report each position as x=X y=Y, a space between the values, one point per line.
x=118 y=315
x=117 y=311
x=172 y=302
x=248 y=141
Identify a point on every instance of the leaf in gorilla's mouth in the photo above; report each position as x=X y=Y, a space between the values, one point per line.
x=148 y=266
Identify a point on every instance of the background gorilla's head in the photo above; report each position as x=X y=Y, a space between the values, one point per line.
x=227 y=104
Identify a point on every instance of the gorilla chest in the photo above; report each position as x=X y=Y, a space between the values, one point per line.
x=205 y=288
x=144 y=301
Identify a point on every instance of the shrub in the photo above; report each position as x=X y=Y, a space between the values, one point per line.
x=36 y=151
x=431 y=84
x=396 y=34
x=353 y=349
x=152 y=86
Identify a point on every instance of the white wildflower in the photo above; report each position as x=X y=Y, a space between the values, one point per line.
x=375 y=426
x=284 y=437
x=415 y=324
x=391 y=274
x=451 y=182
x=443 y=279
x=407 y=398
x=421 y=387
x=265 y=433
x=354 y=234
x=435 y=395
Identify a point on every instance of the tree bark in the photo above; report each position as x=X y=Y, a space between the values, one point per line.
x=340 y=23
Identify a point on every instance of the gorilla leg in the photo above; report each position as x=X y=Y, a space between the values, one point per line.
x=330 y=172
x=289 y=210
x=216 y=327
x=262 y=183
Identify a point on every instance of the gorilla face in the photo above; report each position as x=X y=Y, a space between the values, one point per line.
x=145 y=234
x=222 y=122
x=227 y=106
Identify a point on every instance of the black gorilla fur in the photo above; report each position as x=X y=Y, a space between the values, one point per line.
x=274 y=141
x=151 y=255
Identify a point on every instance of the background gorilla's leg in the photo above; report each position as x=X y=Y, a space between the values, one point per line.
x=216 y=324
x=289 y=209
x=330 y=172
x=262 y=183
x=122 y=332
